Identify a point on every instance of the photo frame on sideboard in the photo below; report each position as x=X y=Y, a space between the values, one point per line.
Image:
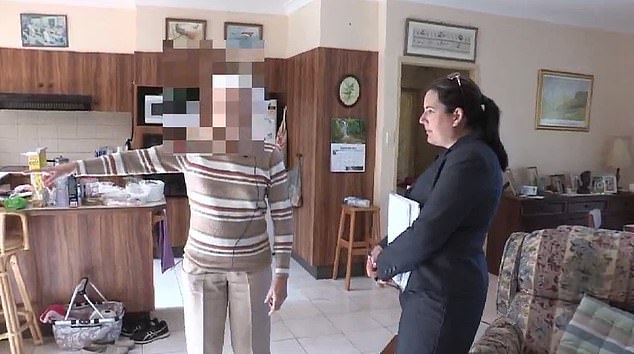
x=558 y=183
x=609 y=184
x=532 y=176
x=509 y=181
x=598 y=186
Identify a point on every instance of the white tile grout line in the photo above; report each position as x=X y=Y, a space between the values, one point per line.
x=283 y=321
x=323 y=314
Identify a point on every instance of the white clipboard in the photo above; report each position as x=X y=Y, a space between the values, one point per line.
x=401 y=213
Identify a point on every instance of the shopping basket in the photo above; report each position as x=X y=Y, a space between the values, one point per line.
x=88 y=322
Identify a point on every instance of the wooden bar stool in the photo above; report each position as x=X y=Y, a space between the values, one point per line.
x=12 y=242
x=355 y=248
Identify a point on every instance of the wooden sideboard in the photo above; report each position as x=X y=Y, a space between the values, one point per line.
x=526 y=214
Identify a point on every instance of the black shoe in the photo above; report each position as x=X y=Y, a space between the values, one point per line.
x=130 y=328
x=155 y=330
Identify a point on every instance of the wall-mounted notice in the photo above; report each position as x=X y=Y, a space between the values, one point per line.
x=347 y=145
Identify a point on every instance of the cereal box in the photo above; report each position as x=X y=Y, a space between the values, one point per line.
x=36 y=160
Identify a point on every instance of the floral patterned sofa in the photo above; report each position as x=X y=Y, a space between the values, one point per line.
x=543 y=277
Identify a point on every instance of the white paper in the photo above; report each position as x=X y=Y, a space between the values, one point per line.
x=401 y=213
x=347 y=157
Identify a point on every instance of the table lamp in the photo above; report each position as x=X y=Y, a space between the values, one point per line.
x=619 y=156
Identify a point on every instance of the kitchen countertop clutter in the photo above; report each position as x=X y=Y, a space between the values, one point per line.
x=74 y=192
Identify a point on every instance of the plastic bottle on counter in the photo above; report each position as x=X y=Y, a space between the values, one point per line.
x=61 y=193
x=73 y=192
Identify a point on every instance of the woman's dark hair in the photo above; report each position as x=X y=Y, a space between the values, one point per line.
x=482 y=114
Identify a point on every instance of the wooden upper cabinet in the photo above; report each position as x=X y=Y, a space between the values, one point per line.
x=104 y=76
x=147 y=68
x=112 y=83
x=17 y=71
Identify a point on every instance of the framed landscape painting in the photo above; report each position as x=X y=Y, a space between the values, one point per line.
x=563 y=101
x=42 y=30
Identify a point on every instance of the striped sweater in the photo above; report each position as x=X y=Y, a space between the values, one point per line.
x=227 y=199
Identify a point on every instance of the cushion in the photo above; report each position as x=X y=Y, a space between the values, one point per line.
x=501 y=337
x=542 y=321
x=597 y=327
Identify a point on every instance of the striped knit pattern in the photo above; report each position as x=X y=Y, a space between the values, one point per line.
x=228 y=201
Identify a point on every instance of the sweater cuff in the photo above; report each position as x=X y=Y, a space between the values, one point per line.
x=281 y=272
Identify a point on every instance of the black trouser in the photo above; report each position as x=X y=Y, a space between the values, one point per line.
x=432 y=324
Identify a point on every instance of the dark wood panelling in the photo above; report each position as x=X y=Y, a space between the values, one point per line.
x=112 y=81
x=275 y=75
x=106 y=77
x=302 y=90
x=312 y=85
x=147 y=68
x=334 y=64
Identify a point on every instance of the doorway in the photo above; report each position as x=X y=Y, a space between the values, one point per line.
x=414 y=154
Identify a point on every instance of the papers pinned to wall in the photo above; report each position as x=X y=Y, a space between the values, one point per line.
x=347 y=145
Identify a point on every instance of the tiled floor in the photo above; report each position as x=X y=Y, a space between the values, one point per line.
x=319 y=316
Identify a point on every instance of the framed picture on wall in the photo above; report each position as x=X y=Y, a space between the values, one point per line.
x=440 y=40
x=179 y=29
x=42 y=30
x=563 y=101
x=237 y=30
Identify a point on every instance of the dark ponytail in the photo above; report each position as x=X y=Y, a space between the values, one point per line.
x=482 y=114
x=490 y=130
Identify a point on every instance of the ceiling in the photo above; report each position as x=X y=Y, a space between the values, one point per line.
x=612 y=15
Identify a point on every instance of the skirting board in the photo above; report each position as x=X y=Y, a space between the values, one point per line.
x=325 y=272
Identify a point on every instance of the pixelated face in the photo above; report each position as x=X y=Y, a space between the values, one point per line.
x=216 y=104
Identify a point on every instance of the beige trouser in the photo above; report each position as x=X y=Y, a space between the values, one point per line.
x=206 y=298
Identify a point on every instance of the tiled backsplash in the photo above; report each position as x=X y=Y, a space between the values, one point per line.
x=75 y=135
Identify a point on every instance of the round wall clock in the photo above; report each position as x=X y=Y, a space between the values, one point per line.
x=349 y=91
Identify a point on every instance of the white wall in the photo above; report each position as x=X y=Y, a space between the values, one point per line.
x=350 y=24
x=304 y=29
x=90 y=29
x=510 y=52
x=150 y=27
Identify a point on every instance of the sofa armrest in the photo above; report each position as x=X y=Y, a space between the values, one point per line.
x=501 y=337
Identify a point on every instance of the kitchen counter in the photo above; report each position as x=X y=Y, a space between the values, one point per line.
x=90 y=208
x=111 y=245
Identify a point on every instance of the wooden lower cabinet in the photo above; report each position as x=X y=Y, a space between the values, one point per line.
x=178 y=220
x=524 y=214
x=112 y=246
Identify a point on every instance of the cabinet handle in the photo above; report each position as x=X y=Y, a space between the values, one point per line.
x=50 y=85
x=40 y=84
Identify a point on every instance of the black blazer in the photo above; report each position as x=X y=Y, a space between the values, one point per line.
x=459 y=195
